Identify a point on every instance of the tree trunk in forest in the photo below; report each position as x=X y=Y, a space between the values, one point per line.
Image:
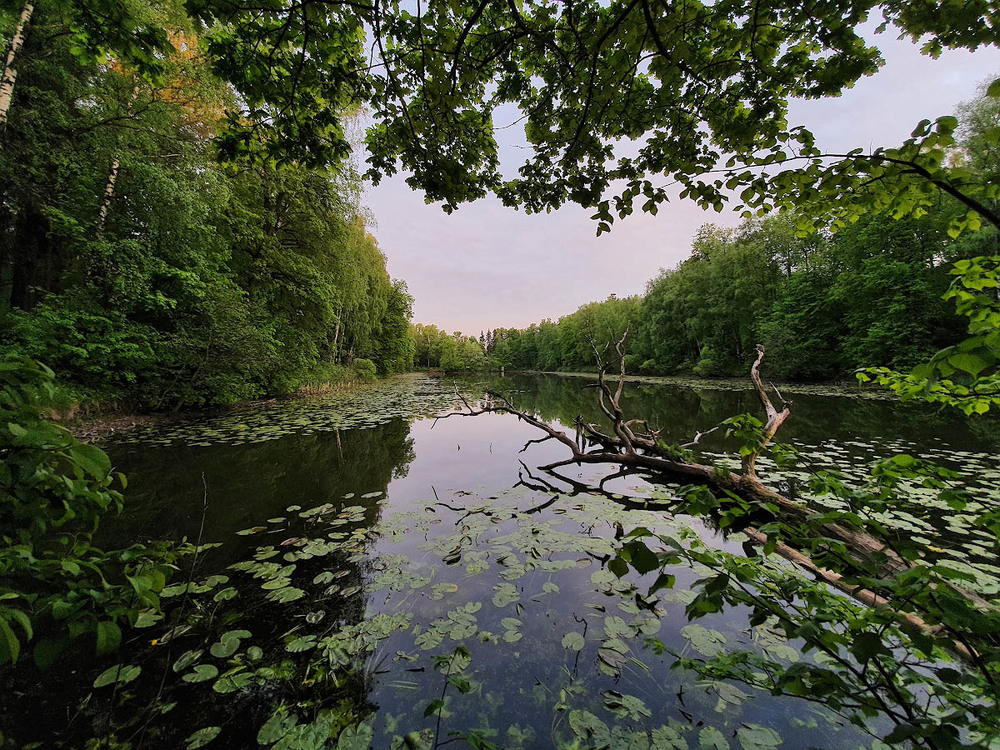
x=336 y=340
x=9 y=74
x=109 y=187
x=109 y=193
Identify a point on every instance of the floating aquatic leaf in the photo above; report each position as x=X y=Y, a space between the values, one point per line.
x=276 y=727
x=705 y=641
x=147 y=618
x=667 y=738
x=285 y=595
x=611 y=660
x=625 y=705
x=303 y=643
x=356 y=738
x=589 y=729
x=349 y=591
x=202 y=673
x=504 y=594
x=119 y=673
x=315 y=617
x=187 y=659
x=232 y=682
x=616 y=627
x=438 y=590
x=756 y=737
x=276 y=583
x=711 y=738
x=573 y=641
x=229 y=643
x=202 y=737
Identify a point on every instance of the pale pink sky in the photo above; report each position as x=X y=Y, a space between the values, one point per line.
x=487 y=266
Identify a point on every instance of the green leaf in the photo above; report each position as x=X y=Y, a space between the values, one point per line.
x=118 y=673
x=756 y=737
x=109 y=637
x=202 y=737
x=202 y=673
x=356 y=738
x=186 y=659
x=91 y=459
x=968 y=362
x=710 y=738
x=573 y=641
x=705 y=641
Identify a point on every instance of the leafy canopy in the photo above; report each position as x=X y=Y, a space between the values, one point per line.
x=688 y=83
x=628 y=96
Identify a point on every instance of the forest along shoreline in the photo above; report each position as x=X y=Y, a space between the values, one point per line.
x=822 y=388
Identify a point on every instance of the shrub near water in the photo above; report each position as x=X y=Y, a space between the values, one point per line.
x=55 y=585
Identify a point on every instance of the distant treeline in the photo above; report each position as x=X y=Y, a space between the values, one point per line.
x=823 y=305
x=143 y=271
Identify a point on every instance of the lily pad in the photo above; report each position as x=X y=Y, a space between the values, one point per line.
x=202 y=737
x=119 y=673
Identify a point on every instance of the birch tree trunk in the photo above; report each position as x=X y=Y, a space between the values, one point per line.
x=109 y=186
x=9 y=74
x=109 y=193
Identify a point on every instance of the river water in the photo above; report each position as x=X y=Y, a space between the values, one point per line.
x=413 y=579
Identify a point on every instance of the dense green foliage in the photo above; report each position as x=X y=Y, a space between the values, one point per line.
x=690 y=83
x=436 y=348
x=937 y=685
x=145 y=272
x=871 y=294
x=965 y=375
x=55 y=584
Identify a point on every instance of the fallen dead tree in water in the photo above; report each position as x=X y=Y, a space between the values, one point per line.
x=839 y=554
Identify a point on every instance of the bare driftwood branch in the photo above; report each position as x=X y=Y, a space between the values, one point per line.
x=699 y=435
x=774 y=417
x=641 y=450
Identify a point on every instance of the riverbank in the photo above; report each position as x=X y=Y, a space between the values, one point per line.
x=100 y=424
x=844 y=388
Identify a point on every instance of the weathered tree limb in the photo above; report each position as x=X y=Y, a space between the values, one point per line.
x=642 y=451
x=865 y=596
x=632 y=451
x=699 y=435
x=774 y=417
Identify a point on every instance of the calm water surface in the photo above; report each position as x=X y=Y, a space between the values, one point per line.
x=373 y=561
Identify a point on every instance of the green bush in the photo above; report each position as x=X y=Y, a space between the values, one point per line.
x=708 y=365
x=55 y=585
x=365 y=370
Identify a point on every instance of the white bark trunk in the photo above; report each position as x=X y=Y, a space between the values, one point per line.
x=9 y=74
x=109 y=186
x=109 y=193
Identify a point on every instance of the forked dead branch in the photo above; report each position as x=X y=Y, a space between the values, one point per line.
x=632 y=445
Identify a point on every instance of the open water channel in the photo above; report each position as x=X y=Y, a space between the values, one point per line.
x=397 y=581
